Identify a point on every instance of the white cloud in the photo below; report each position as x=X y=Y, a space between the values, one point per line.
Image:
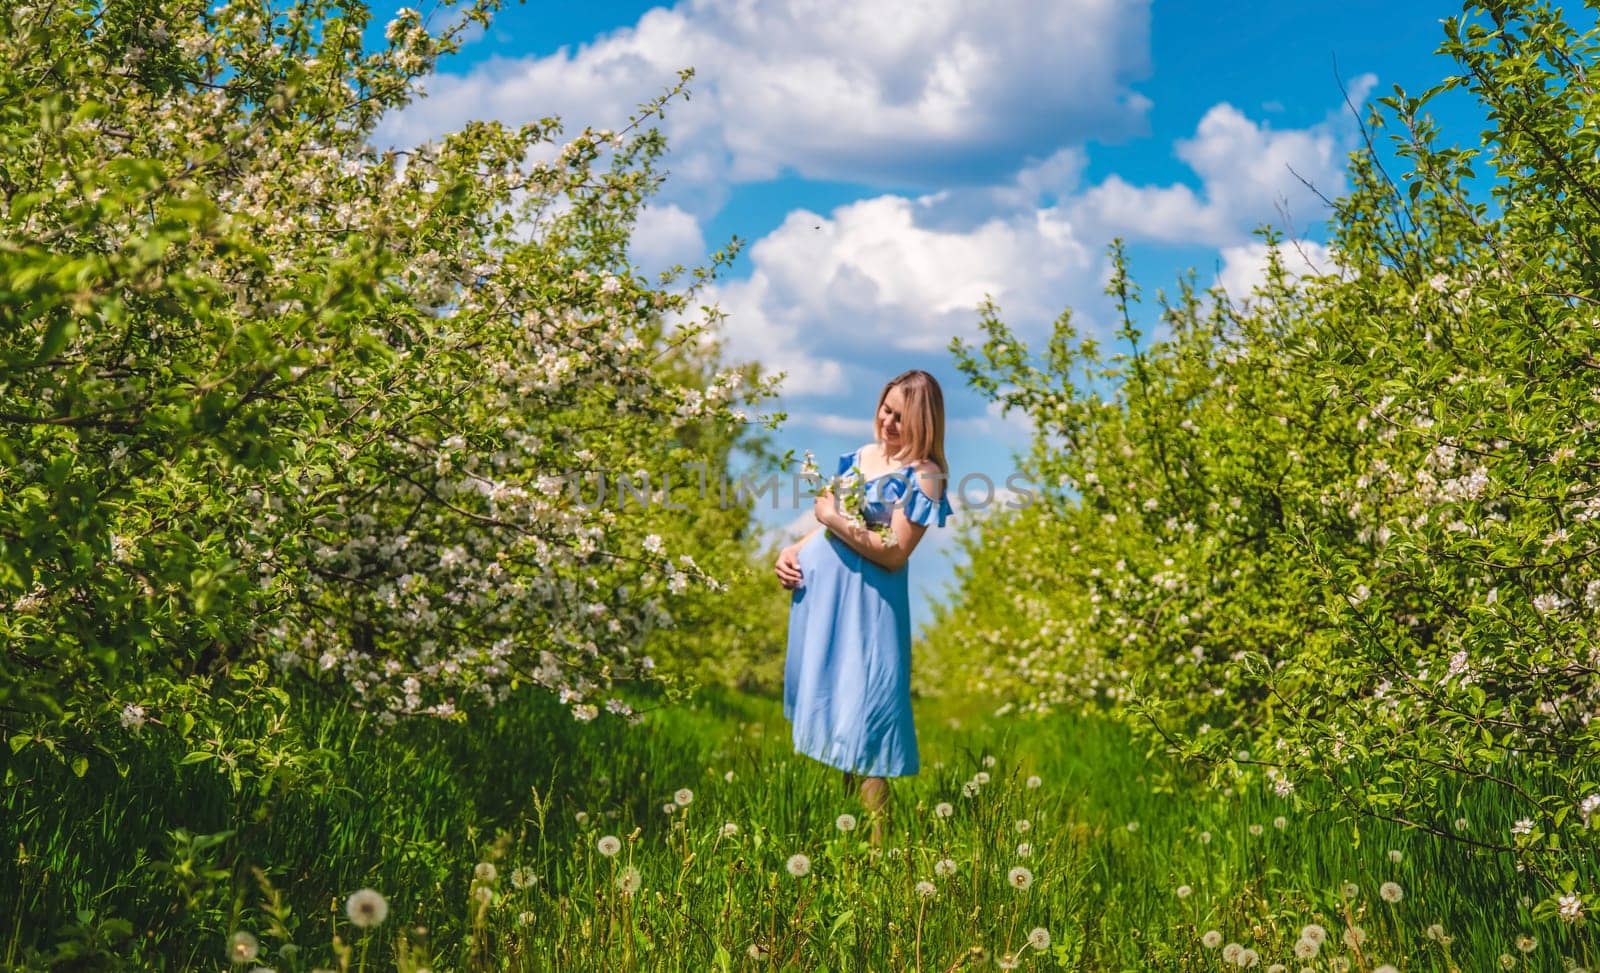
x=978 y=500
x=851 y=295
x=1015 y=428
x=666 y=235
x=1249 y=173
x=873 y=282
x=751 y=332
x=858 y=426
x=841 y=89
x=1170 y=214
x=1049 y=179
x=1244 y=268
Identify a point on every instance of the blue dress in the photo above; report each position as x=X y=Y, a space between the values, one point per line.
x=847 y=677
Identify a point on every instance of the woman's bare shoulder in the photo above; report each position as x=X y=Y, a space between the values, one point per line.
x=930 y=476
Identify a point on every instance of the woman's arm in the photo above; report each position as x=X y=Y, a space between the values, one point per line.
x=865 y=541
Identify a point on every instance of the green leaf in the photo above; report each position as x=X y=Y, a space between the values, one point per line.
x=58 y=332
x=840 y=922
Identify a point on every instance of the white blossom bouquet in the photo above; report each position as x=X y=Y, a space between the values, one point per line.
x=850 y=490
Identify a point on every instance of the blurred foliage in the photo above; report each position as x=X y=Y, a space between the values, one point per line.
x=1343 y=528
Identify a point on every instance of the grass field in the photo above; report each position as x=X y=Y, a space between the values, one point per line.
x=485 y=841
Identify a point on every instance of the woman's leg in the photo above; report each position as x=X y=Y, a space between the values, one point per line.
x=875 y=799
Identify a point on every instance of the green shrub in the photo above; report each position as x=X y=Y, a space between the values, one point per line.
x=1343 y=528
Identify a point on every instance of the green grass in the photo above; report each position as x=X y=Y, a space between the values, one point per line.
x=412 y=811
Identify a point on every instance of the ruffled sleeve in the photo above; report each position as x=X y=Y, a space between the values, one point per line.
x=846 y=460
x=922 y=509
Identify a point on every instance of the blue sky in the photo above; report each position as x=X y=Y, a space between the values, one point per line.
x=889 y=163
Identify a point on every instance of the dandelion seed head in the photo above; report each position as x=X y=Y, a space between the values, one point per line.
x=1391 y=892
x=729 y=829
x=1033 y=781
x=1039 y=938
x=1024 y=850
x=1354 y=936
x=523 y=877
x=629 y=880
x=1306 y=949
x=1280 y=822
x=845 y=822
x=484 y=872
x=1314 y=933
x=683 y=796
x=1395 y=856
x=1020 y=878
x=366 y=908
x=608 y=845
x=1212 y=939
x=799 y=865
x=1248 y=958
x=926 y=889
x=1230 y=953
x=943 y=809
x=1184 y=891
x=243 y=947
x=1023 y=824
x=944 y=867
x=1527 y=944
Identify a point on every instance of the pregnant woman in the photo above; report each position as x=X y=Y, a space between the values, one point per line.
x=847 y=678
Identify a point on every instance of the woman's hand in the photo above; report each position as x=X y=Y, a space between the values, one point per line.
x=788 y=567
x=825 y=509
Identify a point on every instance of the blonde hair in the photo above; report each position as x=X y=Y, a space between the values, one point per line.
x=922 y=419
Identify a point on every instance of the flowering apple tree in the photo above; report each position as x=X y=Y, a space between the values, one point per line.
x=272 y=394
x=1344 y=529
